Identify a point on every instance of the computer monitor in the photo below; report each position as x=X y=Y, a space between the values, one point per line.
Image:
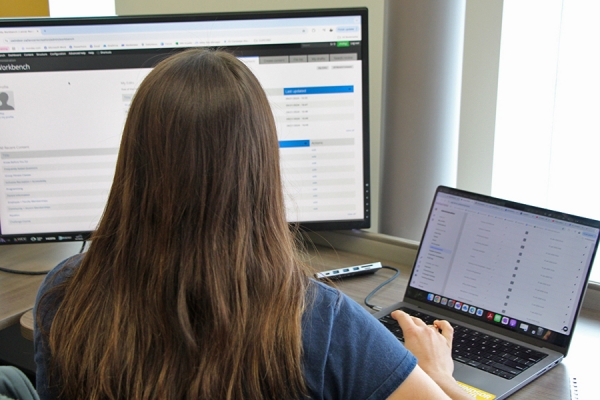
x=66 y=86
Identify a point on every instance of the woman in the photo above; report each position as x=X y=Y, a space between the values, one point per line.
x=191 y=287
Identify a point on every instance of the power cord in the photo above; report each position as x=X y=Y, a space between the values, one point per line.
x=18 y=272
x=374 y=307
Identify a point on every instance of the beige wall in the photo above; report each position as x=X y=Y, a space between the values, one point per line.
x=376 y=7
x=483 y=25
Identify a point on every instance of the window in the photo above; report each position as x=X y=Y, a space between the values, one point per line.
x=78 y=8
x=547 y=140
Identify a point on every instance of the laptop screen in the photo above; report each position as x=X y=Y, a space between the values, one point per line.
x=518 y=267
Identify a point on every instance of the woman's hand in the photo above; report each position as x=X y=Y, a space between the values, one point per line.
x=431 y=344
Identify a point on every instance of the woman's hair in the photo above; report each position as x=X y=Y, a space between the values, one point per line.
x=191 y=287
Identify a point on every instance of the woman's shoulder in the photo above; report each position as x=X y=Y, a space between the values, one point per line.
x=320 y=291
x=60 y=273
x=328 y=305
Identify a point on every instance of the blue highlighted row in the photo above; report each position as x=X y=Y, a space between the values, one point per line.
x=440 y=249
x=319 y=90
x=294 y=143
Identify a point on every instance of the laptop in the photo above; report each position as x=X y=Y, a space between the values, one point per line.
x=511 y=280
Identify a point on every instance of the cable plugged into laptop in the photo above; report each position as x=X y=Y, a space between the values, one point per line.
x=372 y=306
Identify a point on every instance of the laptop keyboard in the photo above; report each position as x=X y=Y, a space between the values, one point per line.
x=484 y=352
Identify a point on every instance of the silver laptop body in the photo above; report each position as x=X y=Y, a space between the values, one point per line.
x=518 y=272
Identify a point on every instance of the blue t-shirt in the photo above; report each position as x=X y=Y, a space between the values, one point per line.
x=348 y=354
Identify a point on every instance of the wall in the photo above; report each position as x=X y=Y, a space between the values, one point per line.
x=376 y=10
x=483 y=26
x=427 y=92
x=423 y=55
x=439 y=108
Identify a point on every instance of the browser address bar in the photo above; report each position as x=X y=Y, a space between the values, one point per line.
x=41 y=39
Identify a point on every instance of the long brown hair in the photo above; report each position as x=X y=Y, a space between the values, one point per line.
x=191 y=287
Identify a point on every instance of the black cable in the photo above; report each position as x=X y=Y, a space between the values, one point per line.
x=377 y=308
x=18 y=272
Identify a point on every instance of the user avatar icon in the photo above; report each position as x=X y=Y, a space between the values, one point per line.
x=4 y=101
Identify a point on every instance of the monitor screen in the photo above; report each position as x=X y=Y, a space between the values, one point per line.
x=66 y=86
